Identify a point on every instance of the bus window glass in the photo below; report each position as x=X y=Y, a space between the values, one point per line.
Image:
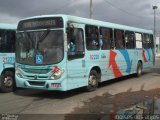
x=130 y=41
x=7 y=41
x=119 y=39
x=138 y=40
x=146 y=41
x=92 y=37
x=105 y=38
x=48 y=44
x=75 y=43
x=151 y=42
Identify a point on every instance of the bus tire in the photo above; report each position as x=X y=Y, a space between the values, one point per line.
x=7 y=82
x=139 y=69
x=92 y=81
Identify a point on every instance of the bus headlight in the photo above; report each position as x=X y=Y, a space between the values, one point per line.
x=18 y=73
x=56 y=73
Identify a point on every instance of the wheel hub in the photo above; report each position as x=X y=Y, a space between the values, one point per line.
x=92 y=80
x=8 y=81
x=139 y=70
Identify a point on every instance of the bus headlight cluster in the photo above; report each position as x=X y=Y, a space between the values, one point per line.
x=56 y=73
x=18 y=73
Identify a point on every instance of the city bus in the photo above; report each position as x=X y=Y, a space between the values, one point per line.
x=64 y=52
x=7 y=57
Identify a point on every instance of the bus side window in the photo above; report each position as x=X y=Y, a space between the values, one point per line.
x=106 y=36
x=2 y=40
x=7 y=41
x=146 y=41
x=130 y=40
x=138 y=40
x=92 y=37
x=151 y=42
x=75 y=43
x=119 y=39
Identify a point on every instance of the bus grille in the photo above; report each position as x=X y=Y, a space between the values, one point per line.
x=36 y=83
x=36 y=71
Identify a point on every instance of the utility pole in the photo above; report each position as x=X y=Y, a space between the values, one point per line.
x=91 y=9
x=154 y=9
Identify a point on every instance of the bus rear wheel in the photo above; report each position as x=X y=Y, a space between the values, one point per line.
x=92 y=81
x=7 y=82
x=139 y=69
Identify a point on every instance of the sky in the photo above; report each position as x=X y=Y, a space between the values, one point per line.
x=137 y=13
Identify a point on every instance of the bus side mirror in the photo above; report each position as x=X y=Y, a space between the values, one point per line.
x=70 y=28
x=67 y=30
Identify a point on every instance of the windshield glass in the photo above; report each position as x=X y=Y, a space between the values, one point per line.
x=39 y=47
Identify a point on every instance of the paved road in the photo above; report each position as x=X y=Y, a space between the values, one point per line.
x=50 y=102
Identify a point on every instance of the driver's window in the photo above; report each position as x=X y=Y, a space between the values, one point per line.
x=75 y=43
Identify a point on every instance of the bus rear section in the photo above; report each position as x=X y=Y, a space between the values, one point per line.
x=7 y=57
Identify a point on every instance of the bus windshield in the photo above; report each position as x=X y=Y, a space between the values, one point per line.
x=39 y=47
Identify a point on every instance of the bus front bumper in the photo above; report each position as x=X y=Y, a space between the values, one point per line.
x=41 y=84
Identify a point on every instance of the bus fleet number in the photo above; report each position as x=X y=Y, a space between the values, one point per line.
x=8 y=59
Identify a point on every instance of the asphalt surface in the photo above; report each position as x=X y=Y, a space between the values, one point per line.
x=27 y=101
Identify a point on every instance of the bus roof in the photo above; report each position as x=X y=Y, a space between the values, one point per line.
x=94 y=22
x=8 y=26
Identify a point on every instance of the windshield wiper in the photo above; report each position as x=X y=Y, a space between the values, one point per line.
x=41 y=37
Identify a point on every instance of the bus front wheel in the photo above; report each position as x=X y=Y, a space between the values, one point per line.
x=92 y=81
x=7 y=81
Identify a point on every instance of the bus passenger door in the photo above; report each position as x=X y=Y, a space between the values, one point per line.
x=76 y=70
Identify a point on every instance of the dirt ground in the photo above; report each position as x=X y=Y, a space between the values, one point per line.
x=108 y=104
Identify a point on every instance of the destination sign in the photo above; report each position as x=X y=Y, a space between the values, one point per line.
x=41 y=23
